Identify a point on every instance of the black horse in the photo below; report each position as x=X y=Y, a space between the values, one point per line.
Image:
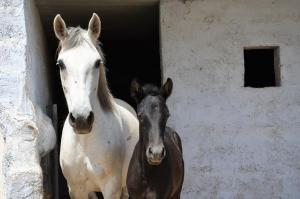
x=156 y=169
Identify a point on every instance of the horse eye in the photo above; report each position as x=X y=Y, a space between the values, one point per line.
x=97 y=63
x=168 y=114
x=60 y=64
x=140 y=117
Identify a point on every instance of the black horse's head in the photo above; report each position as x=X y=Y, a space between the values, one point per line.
x=152 y=114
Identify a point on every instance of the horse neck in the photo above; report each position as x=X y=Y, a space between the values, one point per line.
x=142 y=159
x=100 y=113
x=141 y=150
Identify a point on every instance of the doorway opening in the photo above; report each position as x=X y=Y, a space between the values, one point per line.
x=130 y=41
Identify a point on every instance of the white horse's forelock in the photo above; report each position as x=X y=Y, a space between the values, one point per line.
x=76 y=38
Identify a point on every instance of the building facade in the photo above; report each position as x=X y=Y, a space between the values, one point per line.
x=238 y=142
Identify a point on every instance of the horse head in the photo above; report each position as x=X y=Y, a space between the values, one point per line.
x=152 y=114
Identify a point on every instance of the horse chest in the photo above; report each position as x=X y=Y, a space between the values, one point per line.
x=150 y=193
x=82 y=167
x=158 y=182
x=81 y=160
x=155 y=186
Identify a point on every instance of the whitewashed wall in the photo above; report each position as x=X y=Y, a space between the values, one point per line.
x=24 y=93
x=238 y=142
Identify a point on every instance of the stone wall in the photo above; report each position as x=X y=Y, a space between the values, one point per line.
x=26 y=131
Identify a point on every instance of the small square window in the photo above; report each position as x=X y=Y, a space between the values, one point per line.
x=261 y=67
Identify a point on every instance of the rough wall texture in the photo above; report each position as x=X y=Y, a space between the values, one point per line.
x=1 y=159
x=238 y=142
x=26 y=131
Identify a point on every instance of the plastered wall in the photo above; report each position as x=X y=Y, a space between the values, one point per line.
x=238 y=142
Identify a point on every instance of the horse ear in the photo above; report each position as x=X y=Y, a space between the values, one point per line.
x=60 y=27
x=136 y=91
x=94 y=27
x=167 y=88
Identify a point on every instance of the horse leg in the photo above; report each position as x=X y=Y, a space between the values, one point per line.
x=78 y=192
x=112 y=188
x=176 y=195
x=125 y=194
x=93 y=195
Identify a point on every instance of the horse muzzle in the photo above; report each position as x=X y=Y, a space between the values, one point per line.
x=81 y=124
x=155 y=155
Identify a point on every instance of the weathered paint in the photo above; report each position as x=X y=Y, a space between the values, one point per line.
x=238 y=142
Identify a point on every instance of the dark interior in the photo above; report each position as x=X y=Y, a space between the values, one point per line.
x=130 y=39
x=259 y=68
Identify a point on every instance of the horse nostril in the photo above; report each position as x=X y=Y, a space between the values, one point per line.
x=72 y=119
x=150 y=150
x=90 y=118
x=163 y=154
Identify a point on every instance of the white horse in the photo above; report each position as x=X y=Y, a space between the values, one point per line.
x=99 y=134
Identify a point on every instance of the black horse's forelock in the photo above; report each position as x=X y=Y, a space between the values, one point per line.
x=150 y=89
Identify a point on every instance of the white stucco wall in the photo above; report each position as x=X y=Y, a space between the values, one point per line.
x=1 y=159
x=27 y=132
x=38 y=79
x=238 y=142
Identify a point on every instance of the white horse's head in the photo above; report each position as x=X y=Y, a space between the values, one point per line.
x=81 y=71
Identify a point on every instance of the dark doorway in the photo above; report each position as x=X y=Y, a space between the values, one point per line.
x=261 y=67
x=130 y=38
